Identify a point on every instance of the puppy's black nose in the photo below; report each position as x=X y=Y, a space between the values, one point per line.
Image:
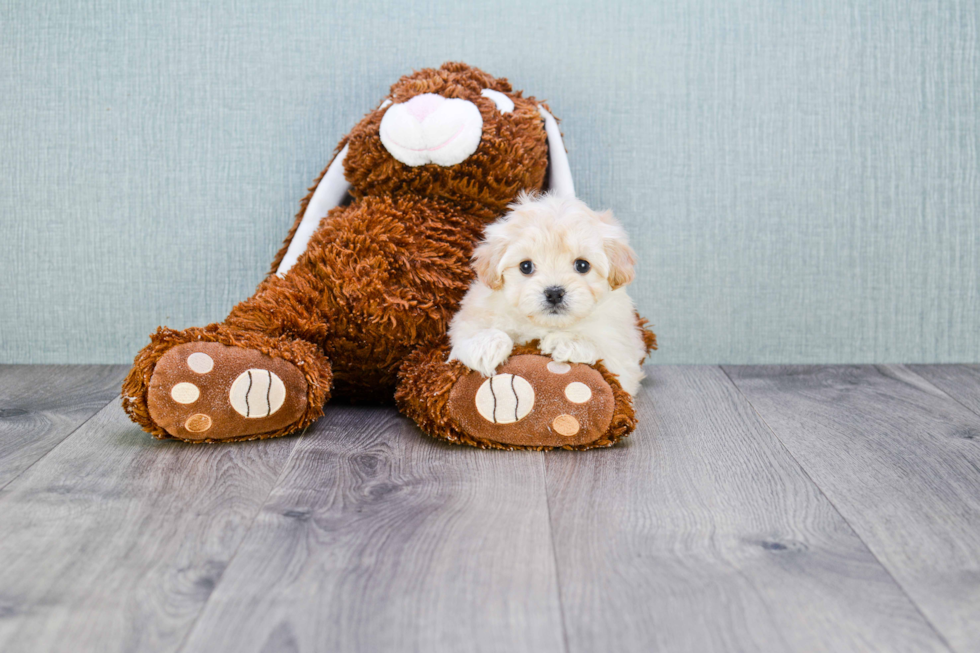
x=554 y=295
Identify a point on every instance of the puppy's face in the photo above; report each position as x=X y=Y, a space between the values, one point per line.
x=554 y=259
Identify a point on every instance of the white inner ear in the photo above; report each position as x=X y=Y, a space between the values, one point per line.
x=504 y=103
x=559 y=172
x=329 y=193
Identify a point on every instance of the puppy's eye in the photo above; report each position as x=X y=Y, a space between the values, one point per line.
x=504 y=103
x=527 y=267
x=582 y=266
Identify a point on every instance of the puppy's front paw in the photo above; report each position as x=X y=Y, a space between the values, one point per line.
x=484 y=352
x=563 y=349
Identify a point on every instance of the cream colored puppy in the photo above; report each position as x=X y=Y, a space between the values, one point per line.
x=552 y=270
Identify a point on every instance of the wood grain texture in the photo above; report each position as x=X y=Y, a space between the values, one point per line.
x=702 y=533
x=114 y=540
x=380 y=539
x=805 y=509
x=961 y=382
x=40 y=405
x=900 y=460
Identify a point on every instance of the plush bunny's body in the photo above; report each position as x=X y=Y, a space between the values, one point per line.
x=360 y=297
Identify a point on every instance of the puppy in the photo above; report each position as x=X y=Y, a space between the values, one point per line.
x=552 y=270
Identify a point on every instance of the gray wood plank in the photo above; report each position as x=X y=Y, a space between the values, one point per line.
x=41 y=404
x=961 y=382
x=380 y=539
x=701 y=533
x=901 y=461
x=114 y=540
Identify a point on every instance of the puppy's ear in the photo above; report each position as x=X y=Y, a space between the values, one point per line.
x=621 y=256
x=486 y=262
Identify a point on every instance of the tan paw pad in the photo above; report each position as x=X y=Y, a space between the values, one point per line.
x=577 y=392
x=565 y=425
x=200 y=362
x=198 y=423
x=185 y=393
x=505 y=399
x=257 y=393
x=559 y=368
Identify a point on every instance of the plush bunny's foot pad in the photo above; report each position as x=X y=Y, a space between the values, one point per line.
x=534 y=401
x=210 y=391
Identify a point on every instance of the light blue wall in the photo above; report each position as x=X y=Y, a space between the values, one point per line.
x=801 y=179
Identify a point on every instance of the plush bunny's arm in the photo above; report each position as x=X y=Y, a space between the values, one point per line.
x=329 y=193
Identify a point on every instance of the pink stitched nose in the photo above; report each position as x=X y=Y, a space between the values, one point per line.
x=421 y=106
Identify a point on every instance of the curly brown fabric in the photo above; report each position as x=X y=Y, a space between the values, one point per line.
x=649 y=337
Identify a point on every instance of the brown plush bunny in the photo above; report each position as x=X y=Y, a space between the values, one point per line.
x=359 y=298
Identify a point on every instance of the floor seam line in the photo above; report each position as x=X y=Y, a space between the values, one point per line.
x=251 y=524
x=908 y=368
x=881 y=563
x=554 y=552
x=60 y=442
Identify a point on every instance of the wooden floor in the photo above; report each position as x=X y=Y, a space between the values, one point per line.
x=755 y=509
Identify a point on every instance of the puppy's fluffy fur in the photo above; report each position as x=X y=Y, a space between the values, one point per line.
x=579 y=312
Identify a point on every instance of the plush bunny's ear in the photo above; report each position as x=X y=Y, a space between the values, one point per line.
x=559 y=173
x=329 y=193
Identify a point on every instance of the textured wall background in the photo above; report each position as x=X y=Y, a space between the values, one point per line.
x=800 y=179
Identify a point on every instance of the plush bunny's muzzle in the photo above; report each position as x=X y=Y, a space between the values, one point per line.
x=430 y=128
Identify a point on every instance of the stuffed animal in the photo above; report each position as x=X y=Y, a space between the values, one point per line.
x=359 y=298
